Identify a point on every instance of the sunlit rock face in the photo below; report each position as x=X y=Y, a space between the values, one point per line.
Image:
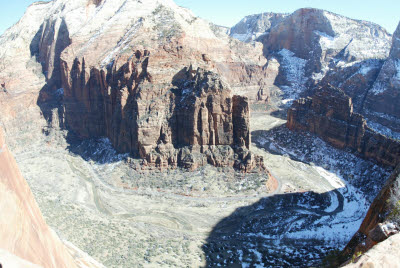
x=23 y=231
x=252 y=27
x=324 y=39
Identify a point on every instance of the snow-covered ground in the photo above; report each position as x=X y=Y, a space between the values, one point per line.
x=294 y=70
x=299 y=227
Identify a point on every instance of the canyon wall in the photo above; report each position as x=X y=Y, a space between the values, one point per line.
x=329 y=114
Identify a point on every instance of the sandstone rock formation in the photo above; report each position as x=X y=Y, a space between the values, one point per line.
x=23 y=231
x=10 y=260
x=108 y=67
x=324 y=39
x=314 y=46
x=329 y=114
x=190 y=122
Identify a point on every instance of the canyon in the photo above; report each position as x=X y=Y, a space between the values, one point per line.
x=152 y=137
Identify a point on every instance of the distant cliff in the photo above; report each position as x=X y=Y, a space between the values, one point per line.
x=329 y=114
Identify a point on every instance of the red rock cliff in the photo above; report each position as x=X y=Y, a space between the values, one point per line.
x=329 y=114
x=190 y=121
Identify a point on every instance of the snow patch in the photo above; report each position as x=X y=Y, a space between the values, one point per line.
x=294 y=68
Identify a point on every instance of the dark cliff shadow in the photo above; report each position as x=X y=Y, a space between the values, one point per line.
x=309 y=149
x=98 y=150
x=285 y=230
x=51 y=94
x=297 y=229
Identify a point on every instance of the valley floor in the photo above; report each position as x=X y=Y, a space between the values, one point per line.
x=125 y=218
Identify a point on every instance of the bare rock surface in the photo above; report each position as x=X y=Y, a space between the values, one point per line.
x=310 y=43
x=251 y=27
x=385 y=254
x=10 y=260
x=378 y=224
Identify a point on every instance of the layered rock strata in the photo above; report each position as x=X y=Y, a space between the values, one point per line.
x=329 y=114
x=189 y=122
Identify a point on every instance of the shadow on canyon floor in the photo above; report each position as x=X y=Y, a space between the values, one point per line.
x=282 y=230
x=298 y=229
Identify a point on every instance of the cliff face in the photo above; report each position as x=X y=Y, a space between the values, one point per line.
x=23 y=231
x=189 y=122
x=329 y=114
x=314 y=46
x=385 y=254
x=372 y=229
x=324 y=39
x=109 y=68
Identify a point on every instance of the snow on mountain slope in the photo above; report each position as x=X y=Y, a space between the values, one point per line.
x=253 y=26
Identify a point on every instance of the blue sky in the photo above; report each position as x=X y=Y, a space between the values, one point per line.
x=229 y=12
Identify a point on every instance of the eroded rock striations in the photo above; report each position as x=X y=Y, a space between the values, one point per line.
x=326 y=39
x=314 y=46
x=192 y=121
x=329 y=114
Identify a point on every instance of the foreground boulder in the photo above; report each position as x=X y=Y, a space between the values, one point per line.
x=329 y=114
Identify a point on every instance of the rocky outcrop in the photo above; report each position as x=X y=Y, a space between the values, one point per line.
x=385 y=254
x=189 y=122
x=329 y=114
x=376 y=226
x=23 y=231
x=355 y=80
